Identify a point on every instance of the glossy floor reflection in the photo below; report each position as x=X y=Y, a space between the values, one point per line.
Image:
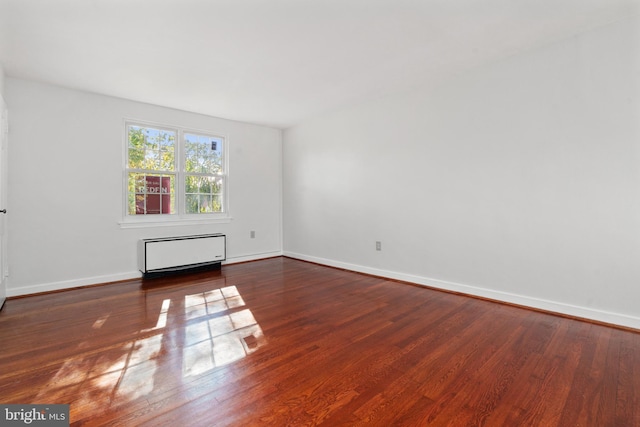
x=197 y=331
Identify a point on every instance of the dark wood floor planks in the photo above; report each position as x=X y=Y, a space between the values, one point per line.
x=283 y=342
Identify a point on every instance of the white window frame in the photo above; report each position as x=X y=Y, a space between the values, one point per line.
x=180 y=217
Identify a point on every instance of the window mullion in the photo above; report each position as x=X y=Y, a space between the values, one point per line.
x=180 y=196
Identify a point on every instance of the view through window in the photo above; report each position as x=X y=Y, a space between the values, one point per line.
x=174 y=172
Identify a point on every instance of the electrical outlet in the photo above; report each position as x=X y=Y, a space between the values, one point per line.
x=378 y=246
x=253 y=234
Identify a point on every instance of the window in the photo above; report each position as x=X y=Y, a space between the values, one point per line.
x=203 y=173
x=151 y=170
x=172 y=173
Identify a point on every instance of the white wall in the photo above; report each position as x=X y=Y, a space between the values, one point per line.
x=1 y=81
x=65 y=187
x=518 y=181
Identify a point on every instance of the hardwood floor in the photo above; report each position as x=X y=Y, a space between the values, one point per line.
x=282 y=342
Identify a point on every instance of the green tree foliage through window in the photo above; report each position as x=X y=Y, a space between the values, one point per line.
x=203 y=166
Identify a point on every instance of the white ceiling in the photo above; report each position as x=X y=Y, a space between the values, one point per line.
x=275 y=62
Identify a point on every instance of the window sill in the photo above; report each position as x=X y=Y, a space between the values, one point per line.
x=145 y=223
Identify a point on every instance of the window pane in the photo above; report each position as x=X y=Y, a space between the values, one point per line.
x=136 y=137
x=216 y=204
x=192 y=203
x=203 y=154
x=151 y=194
x=191 y=184
x=203 y=194
x=205 y=185
x=216 y=186
x=136 y=158
x=152 y=149
x=167 y=159
x=205 y=203
x=152 y=160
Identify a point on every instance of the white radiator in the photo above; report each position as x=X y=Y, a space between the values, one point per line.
x=178 y=253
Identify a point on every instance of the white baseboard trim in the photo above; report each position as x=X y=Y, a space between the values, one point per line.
x=98 y=280
x=68 y=284
x=253 y=257
x=522 y=300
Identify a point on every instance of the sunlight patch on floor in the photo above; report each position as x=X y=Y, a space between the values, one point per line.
x=218 y=341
